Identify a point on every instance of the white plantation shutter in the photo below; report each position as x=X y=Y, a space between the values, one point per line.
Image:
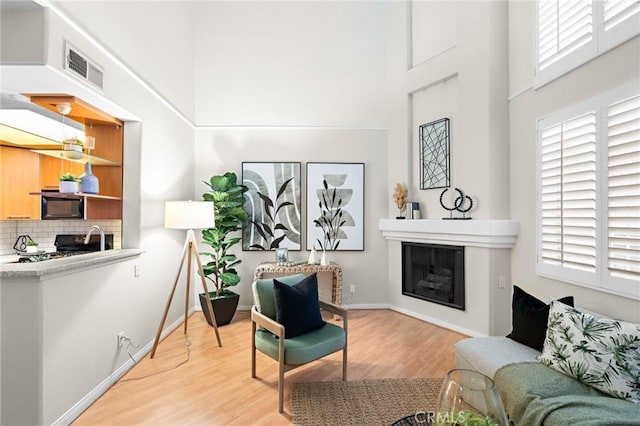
x=563 y=27
x=569 y=33
x=623 y=184
x=620 y=21
x=618 y=11
x=588 y=224
x=568 y=193
x=551 y=195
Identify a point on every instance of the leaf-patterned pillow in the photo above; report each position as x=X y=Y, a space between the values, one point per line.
x=599 y=352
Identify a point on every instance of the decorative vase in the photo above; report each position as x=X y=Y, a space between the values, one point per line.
x=323 y=259
x=312 y=256
x=69 y=186
x=88 y=181
x=469 y=397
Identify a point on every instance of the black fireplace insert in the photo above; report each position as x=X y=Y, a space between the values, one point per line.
x=434 y=273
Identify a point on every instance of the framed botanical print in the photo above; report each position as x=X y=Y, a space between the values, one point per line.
x=335 y=206
x=273 y=206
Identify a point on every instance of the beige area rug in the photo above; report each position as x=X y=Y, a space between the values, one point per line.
x=364 y=402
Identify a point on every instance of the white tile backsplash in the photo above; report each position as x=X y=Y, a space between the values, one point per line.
x=45 y=231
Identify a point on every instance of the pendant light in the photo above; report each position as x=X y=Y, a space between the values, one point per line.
x=72 y=147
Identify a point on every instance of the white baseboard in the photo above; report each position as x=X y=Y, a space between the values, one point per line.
x=240 y=308
x=422 y=317
x=416 y=315
x=438 y=322
x=99 y=390
x=369 y=306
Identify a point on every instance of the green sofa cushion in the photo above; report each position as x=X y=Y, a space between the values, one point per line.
x=304 y=348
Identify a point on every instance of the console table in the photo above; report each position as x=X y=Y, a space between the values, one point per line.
x=269 y=270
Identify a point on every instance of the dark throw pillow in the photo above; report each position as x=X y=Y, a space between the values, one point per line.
x=298 y=306
x=529 y=318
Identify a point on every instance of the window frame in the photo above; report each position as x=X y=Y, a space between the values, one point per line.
x=601 y=279
x=602 y=41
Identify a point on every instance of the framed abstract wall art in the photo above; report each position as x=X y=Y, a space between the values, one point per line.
x=335 y=206
x=273 y=206
x=434 y=154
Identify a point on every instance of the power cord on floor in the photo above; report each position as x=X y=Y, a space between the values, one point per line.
x=187 y=343
x=130 y=343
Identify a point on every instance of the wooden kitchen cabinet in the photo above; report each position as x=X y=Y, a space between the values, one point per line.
x=109 y=141
x=51 y=168
x=18 y=177
x=106 y=158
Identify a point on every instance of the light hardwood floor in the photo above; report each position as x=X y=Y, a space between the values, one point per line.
x=214 y=387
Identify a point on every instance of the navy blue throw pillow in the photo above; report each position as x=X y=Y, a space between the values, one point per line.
x=529 y=318
x=298 y=306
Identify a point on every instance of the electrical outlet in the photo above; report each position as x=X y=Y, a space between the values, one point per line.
x=136 y=271
x=352 y=289
x=122 y=338
x=501 y=282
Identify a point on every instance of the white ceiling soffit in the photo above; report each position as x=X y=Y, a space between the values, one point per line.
x=18 y=79
x=18 y=115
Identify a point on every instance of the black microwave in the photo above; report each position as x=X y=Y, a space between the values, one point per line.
x=56 y=207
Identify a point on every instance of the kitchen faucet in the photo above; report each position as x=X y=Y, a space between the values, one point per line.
x=96 y=228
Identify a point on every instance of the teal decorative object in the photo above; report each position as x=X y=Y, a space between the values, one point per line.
x=88 y=181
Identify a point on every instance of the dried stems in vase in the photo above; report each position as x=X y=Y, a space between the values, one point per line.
x=400 y=196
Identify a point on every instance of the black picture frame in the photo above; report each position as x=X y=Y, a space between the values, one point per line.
x=335 y=192
x=273 y=206
x=434 y=161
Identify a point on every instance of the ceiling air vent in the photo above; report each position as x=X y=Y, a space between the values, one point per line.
x=78 y=64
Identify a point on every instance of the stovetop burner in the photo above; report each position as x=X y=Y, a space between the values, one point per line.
x=75 y=243
x=69 y=245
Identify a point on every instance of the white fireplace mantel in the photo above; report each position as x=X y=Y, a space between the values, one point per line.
x=473 y=232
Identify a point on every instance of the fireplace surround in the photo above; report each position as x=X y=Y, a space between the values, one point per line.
x=487 y=260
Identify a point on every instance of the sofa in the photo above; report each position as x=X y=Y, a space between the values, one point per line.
x=535 y=390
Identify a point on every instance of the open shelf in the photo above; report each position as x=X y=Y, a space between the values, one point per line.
x=75 y=195
x=86 y=158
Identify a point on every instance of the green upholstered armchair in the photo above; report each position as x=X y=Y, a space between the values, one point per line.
x=268 y=336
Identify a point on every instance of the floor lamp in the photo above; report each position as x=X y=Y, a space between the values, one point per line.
x=188 y=215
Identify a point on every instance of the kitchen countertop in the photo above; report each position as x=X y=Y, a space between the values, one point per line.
x=65 y=264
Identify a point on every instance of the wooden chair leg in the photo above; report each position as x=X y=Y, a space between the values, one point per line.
x=281 y=390
x=281 y=376
x=253 y=349
x=344 y=364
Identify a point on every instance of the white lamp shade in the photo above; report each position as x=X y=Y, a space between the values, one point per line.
x=188 y=214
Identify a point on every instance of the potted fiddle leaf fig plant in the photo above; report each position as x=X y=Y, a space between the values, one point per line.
x=228 y=201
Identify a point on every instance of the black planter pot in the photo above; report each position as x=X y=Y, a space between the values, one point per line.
x=224 y=307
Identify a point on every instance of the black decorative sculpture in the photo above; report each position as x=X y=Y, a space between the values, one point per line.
x=458 y=204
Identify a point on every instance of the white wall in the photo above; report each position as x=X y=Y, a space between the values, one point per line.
x=457 y=72
x=297 y=81
x=310 y=63
x=32 y=48
x=461 y=74
x=223 y=149
x=154 y=38
x=164 y=152
x=158 y=167
x=610 y=70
